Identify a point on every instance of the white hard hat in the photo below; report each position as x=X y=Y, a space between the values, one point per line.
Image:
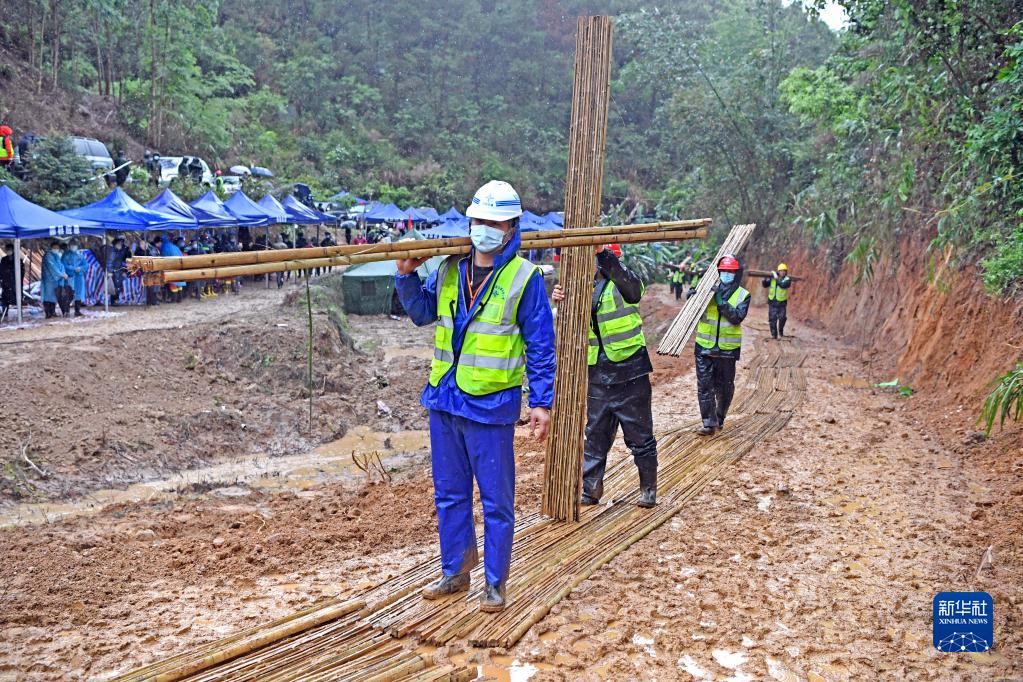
x=496 y=200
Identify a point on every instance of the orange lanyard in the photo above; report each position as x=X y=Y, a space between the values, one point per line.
x=468 y=284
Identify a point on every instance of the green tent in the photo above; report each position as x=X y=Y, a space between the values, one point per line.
x=369 y=288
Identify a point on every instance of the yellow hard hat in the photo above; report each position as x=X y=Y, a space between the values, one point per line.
x=782 y=266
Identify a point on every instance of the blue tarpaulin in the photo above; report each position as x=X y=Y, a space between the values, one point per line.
x=247 y=211
x=273 y=207
x=118 y=211
x=169 y=202
x=20 y=218
x=555 y=218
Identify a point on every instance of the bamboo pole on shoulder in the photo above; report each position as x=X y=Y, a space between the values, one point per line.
x=587 y=135
x=403 y=250
x=213 y=260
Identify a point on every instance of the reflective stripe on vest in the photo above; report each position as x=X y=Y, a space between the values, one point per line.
x=620 y=327
x=713 y=330
x=493 y=353
x=776 y=293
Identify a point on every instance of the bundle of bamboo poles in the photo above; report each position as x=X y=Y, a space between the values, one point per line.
x=684 y=324
x=591 y=94
x=159 y=271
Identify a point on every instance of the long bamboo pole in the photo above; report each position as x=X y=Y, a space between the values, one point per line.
x=591 y=94
x=402 y=250
x=767 y=273
x=152 y=264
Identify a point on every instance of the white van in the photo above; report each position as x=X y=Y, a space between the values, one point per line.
x=169 y=168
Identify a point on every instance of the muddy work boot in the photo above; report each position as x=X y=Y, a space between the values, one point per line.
x=647 y=482
x=705 y=430
x=448 y=584
x=591 y=494
x=493 y=599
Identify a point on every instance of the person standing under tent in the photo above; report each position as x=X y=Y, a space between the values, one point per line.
x=75 y=266
x=53 y=276
x=718 y=345
x=8 y=288
x=494 y=327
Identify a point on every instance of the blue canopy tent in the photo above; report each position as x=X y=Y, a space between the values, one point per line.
x=429 y=213
x=304 y=215
x=451 y=214
x=247 y=211
x=272 y=206
x=530 y=217
x=298 y=212
x=415 y=215
x=386 y=213
x=118 y=211
x=21 y=219
x=211 y=204
x=448 y=229
x=169 y=202
x=556 y=218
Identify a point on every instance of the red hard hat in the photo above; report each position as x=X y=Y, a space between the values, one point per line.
x=4 y=130
x=616 y=249
x=728 y=263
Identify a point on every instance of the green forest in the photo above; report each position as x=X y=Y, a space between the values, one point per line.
x=910 y=118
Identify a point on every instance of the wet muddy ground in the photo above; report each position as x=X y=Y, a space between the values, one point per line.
x=817 y=557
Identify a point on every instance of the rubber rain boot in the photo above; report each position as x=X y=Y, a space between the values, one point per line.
x=647 y=482
x=448 y=584
x=591 y=494
x=493 y=599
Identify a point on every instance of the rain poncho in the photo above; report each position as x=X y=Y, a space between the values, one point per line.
x=75 y=266
x=54 y=275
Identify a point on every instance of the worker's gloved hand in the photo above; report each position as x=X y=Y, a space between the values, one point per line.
x=539 y=423
x=774 y=273
x=718 y=298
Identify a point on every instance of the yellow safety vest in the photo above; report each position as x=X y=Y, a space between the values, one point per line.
x=4 y=154
x=620 y=327
x=714 y=330
x=493 y=353
x=776 y=293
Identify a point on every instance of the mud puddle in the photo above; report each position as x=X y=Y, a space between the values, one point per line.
x=329 y=462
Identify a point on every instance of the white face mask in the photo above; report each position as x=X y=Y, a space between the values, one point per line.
x=486 y=239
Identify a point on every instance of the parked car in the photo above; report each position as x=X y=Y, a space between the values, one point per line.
x=169 y=166
x=93 y=151
x=232 y=183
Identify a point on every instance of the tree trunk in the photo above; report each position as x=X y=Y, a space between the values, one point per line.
x=55 y=46
x=151 y=128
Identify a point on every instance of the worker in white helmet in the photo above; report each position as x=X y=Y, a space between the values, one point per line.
x=494 y=326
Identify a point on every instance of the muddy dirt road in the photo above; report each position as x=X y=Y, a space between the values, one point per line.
x=817 y=557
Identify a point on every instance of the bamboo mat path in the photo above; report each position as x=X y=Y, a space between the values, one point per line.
x=385 y=638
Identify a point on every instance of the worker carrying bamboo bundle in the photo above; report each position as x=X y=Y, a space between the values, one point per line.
x=777 y=286
x=619 y=379
x=718 y=345
x=494 y=325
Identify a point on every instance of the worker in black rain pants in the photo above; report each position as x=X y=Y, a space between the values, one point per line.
x=619 y=379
